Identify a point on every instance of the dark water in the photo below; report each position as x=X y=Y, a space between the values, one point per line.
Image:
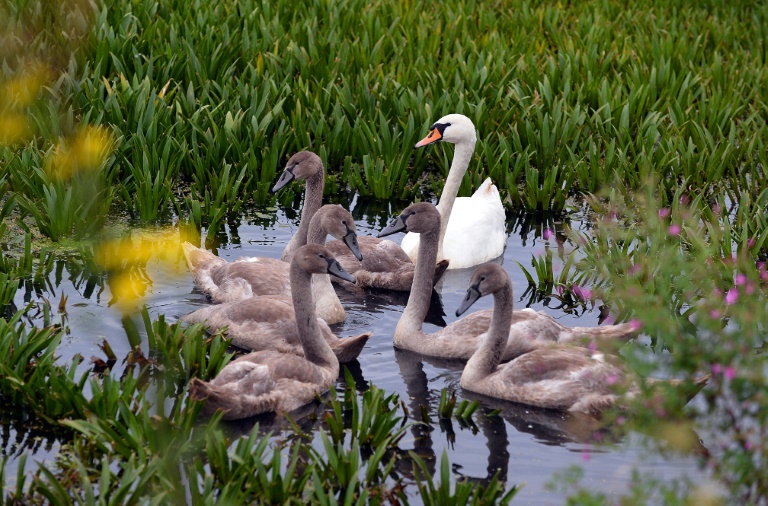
x=524 y=444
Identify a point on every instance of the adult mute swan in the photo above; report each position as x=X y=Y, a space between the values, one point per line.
x=527 y=331
x=473 y=229
x=267 y=381
x=558 y=377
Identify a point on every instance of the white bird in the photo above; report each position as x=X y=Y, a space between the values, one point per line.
x=473 y=229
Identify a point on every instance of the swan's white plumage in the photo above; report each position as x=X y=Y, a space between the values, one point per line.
x=475 y=232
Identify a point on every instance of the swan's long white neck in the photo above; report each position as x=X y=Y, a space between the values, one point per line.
x=421 y=290
x=316 y=350
x=461 y=157
x=488 y=355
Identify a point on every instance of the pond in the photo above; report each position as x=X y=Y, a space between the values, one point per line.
x=526 y=445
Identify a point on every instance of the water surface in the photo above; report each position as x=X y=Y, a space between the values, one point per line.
x=524 y=444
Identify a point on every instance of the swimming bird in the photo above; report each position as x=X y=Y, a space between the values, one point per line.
x=566 y=378
x=223 y=281
x=473 y=229
x=528 y=329
x=267 y=381
x=384 y=264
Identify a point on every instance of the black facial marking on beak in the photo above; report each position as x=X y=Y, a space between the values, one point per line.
x=286 y=177
x=337 y=270
x=435 y=134
x=440 y=127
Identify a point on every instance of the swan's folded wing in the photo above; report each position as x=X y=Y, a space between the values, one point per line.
x=265 y=276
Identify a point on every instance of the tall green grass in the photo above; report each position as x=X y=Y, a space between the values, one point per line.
x=567 y=99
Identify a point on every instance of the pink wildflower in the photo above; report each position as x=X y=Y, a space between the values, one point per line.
x=635 y=324
x=730 y=372
x=664 y=212
x=576 y=289
x=749 y=289
x=764 y=276
x=611 y=379
x=761 y=266
x=714 y=314
x=621 y=420
x=717 y=368
x=674 y=229
x=547 y=234
x=740 y=279
x=748 y=445
x=750 y=243
x=684 y=199
x=731 y=296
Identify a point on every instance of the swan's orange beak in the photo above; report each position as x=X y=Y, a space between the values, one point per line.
x=434 y=136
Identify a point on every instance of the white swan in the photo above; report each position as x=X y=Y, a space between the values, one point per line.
x=473 y=230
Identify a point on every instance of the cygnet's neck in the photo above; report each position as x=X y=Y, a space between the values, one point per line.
x=316 y=350
x=421 y=290
x=488 y=355
x=313 y=199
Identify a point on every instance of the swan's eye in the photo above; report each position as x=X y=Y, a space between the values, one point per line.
x=482 y=278
x=321 y=255
x=447 y=125
x=344 y=222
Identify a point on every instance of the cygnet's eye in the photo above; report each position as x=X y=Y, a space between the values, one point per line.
x=482 y=278
x=321 y=255
x=344 y=222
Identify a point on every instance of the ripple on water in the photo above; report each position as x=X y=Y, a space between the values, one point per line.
x=523 y=444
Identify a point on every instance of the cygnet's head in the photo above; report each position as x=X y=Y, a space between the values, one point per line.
x=302 y=165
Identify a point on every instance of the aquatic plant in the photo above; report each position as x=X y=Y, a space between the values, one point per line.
x=696 y=284
x=465 y=492
x=561 y=110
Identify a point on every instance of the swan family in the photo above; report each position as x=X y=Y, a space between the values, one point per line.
x=279 y=310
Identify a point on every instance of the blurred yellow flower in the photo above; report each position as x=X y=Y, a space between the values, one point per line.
x=85 y=152
x=127 y=286
x=138 y=249
x=13 y=128
x=126 y=260
x=23 y=89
